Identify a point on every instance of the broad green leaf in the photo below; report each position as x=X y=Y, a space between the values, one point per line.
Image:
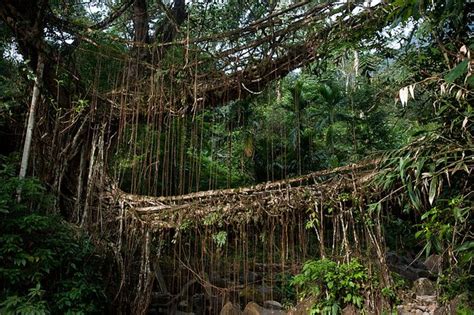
x=433 y=189
x=428 y=248
x=458 y=71
x=419 y=166
x=415 y=200
x=402 y=166
x=429 y=213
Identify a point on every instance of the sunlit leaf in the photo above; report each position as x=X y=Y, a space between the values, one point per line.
x=433 y=189
x=411 y=88
x=403 y=93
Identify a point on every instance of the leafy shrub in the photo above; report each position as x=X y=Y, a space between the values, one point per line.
x=444 y=230
x=45 y=265
x=333 y=285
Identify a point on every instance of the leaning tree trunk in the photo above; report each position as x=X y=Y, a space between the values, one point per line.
x=31 y=122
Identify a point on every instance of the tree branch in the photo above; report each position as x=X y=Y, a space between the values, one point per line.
x=113 y=16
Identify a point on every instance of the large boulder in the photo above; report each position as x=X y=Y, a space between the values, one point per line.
x=424 y=286
x=273 y=305
x=253 y=308
x=407 y=268
x=230 y=309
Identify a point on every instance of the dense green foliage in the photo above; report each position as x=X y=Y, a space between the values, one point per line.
x=403 y=96
x=434 y=174
x=332 y=285
x=46 y=265
x=426 y=185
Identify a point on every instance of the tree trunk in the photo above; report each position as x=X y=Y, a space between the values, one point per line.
x=31 y=122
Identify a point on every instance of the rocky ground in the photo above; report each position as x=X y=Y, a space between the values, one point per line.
x=420 y=299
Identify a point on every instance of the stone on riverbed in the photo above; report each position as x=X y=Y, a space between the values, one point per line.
x=272 y=305
x=230 y=309
x=253 y=308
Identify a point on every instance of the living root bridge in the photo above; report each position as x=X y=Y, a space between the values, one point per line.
x=243 y=205
x=220 y=234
